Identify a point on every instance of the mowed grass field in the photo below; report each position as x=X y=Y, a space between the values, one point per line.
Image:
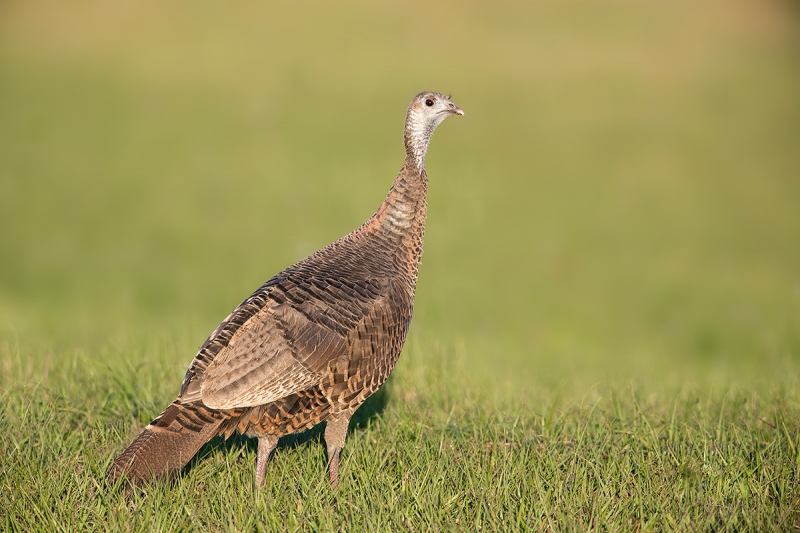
x=607 y=324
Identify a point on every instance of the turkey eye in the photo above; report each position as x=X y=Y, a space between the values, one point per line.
x=429 y=102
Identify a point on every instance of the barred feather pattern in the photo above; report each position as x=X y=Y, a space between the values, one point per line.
x=314 y=341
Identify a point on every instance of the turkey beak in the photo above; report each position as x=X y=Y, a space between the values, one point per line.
x=458 y=111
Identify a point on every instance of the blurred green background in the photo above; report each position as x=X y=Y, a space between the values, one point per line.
x=621 y=201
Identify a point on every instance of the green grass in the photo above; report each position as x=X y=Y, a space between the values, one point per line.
x=607 y=324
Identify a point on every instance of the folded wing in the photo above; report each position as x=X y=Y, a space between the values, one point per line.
x=286 y=346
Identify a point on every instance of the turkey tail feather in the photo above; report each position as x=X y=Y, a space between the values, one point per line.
x=167 y=443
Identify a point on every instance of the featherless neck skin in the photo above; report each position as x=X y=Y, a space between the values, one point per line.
x=417 y=137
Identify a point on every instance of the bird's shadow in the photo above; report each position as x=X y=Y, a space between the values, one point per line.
x=237 y=443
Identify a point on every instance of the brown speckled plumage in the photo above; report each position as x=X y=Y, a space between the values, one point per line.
x=312 y=343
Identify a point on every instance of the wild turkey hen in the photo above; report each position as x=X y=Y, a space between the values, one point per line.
x=312 y=343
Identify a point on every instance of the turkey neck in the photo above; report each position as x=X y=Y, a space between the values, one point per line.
x=401 y=217
x=400 y=221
